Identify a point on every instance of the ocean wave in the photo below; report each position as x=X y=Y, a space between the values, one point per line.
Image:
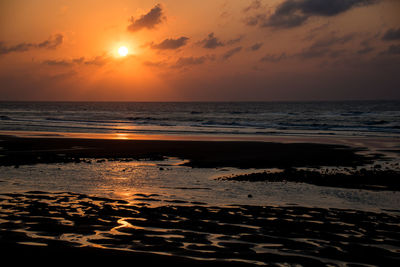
x=353 y=113
x=378 y=122
x=233 y=124
x=5 y=118
x=145 y=119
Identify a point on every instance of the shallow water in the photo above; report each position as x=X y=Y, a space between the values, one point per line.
x=168 y=182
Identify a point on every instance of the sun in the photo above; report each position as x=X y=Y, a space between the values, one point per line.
x=123 y=51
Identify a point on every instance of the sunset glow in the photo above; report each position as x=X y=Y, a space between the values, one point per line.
x=251 y=50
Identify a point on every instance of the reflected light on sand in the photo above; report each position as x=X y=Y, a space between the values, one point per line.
x=122 y=223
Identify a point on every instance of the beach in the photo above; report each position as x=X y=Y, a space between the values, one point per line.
x=198 y=222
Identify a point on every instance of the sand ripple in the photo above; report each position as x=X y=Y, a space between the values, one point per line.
x=250 y=234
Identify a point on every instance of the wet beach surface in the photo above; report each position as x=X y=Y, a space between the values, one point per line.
x=17 y=151
x=249 y=234
x=370 y=179
x=197 y=203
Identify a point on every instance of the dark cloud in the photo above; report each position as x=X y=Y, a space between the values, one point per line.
x=211 y=42
x=274 y=57
x=231 y=52
x=259 y=19
x=391 y=35
x=235 y=41
x=392 y=50
x=51 y=43
x=63 y=63
x=15 y=48
x=316 y=31
x=332 y=40
x=190 y=61
x=154 y=17
x=365 y=47
x=323 y=46
x=155 y=64
x=365 y=50
x=182 y=62
x=255 y=4
x=171 y=43
x=326 y=52
x=98 y=61
x=293 y=13
x=255 y=46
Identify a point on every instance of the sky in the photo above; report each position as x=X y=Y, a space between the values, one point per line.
x=210 y=50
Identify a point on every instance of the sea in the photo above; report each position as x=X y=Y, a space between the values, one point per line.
x=349 y=119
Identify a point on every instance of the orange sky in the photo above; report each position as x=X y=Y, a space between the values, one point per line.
x=199 y=50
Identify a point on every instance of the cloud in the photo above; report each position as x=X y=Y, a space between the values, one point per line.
x=98 y=61
x=231 y=52
x=182 y=62
x=323 y=46
x=255 y=46
x=293 y=13
x=211 y=42
x=365 y=50
x=155 y=64
x=51 y=43
x=274 y=57
x=328 y=46
x=392 y=50
x=235 y=41
x=256 y=4
x=391 y=35
x=149 y=21
x=314 y=32
x=365 y=46
x=259 y=19
x=63 y=63
x=190 y=61
x=332 y=40
x=171 y=43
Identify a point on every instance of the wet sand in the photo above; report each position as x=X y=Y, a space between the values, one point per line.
x=38 y=226
x=241 y=154
x=369 y=179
